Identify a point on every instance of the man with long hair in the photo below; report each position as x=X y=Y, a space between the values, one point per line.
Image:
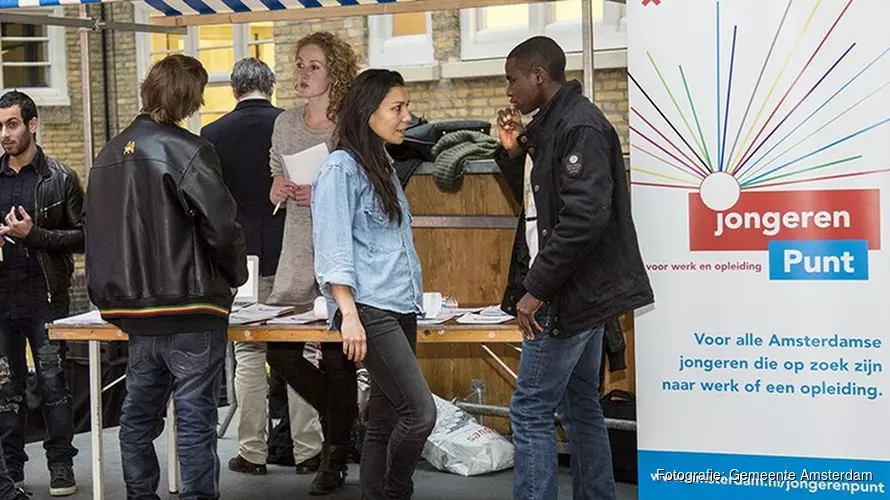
x=164 y=257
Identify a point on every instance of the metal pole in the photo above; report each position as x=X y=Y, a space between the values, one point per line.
x=95 y=345
x=85 y=89
x=499 y=361
x=88 y=23
x=172 y=449
x=587 y=40
x=500 y=411
x=95 y=353
x=230 y=389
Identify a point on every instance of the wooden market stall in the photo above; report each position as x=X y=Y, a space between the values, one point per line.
x=464 y=240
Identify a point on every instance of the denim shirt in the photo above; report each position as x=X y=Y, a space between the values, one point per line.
x=357 y=245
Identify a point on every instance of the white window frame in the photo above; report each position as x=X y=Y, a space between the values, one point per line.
x=241 y=44
x=610 y=32
x=388 y=51
x=56 y=94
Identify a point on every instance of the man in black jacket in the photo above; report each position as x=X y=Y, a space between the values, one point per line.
x=164 y=259
x=576 y=265
x=41 y=203
x=243 y=139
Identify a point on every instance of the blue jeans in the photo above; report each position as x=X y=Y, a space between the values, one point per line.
x=53 y=389
x=189 y=366
x=561 y=374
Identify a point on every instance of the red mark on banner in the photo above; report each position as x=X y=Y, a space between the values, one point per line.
x=758 y=217
x=647 y=2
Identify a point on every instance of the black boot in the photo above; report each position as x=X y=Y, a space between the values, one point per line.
x=331 y=471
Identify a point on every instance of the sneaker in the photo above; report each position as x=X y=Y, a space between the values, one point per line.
x=61 y=483
x=239 y=464
x=21 y=494
x=18 y=478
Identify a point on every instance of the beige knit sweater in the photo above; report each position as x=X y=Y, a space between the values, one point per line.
x=295 y=277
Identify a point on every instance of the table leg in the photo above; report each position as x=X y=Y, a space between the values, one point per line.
x=172 y=454
x=230 y=390
x=95 y=357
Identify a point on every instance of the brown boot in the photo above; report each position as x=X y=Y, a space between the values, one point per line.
x=309 y=466
x=332 y=470
x=239 y=464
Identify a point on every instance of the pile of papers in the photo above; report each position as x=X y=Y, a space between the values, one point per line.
x=296 y=319
x=257 y=313
x=490 y=315
x=87 y=318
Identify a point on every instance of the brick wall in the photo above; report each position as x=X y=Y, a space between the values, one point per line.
x=62 y=126
x=478 y=98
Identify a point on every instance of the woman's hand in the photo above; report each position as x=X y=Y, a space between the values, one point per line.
x=355 y=344
x=282 y=189
x=303 y=195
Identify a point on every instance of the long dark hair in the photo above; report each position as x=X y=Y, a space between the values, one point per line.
x=354 y=134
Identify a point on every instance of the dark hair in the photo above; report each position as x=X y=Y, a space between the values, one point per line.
x=354 y=134
x=252 y=75
x=173 y=89
x=541 y=52
x=23 y=101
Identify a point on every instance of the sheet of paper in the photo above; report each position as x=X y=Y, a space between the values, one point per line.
x=301 y=167
x=443 y=317
x=257 y=313
x=462 y=310
x=478 y=319
x=295 y=319
x=87 y=318
x=490 y=315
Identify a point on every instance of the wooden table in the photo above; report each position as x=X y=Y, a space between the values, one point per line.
x=94 y=334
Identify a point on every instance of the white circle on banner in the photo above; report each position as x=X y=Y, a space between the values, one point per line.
x=720 y=191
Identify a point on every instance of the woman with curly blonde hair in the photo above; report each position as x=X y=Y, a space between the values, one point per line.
x=325 y=68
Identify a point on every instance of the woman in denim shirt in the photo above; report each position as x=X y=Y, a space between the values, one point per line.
x=368 y=270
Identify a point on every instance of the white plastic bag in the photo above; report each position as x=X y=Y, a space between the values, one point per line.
x=460 y=445
x=363 y=378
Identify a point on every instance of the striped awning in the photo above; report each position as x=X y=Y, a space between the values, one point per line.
x=194 y=12
x=202 y=7
x=205 y=7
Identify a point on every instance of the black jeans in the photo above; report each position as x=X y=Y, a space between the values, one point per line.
x=53 y=388
x=331 y=388
x=401 y=410
x=188 y=366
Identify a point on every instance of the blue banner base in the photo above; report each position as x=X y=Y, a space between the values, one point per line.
x=668 y=475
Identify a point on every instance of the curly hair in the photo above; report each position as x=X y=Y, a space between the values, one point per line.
x=342 y=64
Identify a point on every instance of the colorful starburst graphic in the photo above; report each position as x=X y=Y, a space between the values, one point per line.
x=765 y=144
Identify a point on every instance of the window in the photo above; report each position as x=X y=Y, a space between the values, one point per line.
x=260 y=43
x=401 y=40
x=217 y=47
x=163 y=45
x=491 y=32
x=33 y=60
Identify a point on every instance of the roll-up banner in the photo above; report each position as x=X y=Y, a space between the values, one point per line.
x=760 y=164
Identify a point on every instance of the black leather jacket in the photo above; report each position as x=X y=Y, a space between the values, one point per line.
x=589 y=268
x=161 y=236
x=58 y=224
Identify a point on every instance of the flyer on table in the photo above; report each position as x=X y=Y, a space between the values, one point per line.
x=760 y=164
